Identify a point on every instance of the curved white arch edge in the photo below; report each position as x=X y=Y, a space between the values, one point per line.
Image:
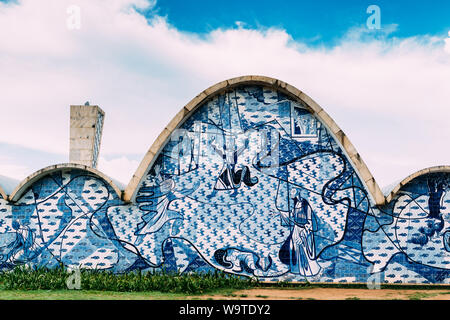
x=28 y=181
x=129 y=192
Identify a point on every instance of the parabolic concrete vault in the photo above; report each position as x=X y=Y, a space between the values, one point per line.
x=251 y=177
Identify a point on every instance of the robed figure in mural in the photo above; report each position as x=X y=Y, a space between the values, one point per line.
x=299 y=250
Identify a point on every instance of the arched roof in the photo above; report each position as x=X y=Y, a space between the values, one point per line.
x=151 y=155
x=436 y=169
x=28 y=181
x=2 y=193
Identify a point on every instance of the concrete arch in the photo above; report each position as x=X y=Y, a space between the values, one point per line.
x=28 y=181
x=398 y=187
x=151 y=155
x=3 y=193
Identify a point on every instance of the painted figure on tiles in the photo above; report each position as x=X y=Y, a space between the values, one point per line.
x=299 y=250
x=254 y=184
x=23 y=249
x=232 y=175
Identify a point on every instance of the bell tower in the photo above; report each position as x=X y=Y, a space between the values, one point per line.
x=86 y=125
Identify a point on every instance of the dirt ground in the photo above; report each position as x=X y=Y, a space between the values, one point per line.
x=334 y=294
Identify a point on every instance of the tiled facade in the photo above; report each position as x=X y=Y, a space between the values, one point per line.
x=252 y=183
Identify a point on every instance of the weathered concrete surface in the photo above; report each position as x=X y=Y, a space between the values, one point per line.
x=86 y=124
x=361 y=168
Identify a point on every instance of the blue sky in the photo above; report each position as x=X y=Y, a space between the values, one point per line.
x=141 y=61
x=320 y=22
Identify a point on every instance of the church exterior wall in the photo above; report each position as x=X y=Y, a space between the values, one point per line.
x=253 y=183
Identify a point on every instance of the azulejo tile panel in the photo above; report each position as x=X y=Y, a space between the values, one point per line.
x=252 y=183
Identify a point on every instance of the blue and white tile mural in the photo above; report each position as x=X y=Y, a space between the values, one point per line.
x=252 y=184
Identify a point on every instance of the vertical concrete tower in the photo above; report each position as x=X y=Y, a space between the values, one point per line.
x=86 y=124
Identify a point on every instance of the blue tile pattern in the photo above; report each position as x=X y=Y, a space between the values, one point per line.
x=97 y=139
x=251 y=183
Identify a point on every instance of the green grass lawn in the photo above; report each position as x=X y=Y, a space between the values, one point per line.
x=157 y=295
x=51 y=284
x=86 y=295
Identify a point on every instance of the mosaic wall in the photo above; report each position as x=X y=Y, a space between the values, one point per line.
x=251 y=184
x=409 y=240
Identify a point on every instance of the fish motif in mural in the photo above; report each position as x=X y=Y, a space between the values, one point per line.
x=418 y=228
x=255 y=204
x=253 y=184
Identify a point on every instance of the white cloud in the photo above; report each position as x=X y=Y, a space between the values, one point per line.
x=447 y=43
x=391 y=96
x=10 y=169
x=120 y=168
